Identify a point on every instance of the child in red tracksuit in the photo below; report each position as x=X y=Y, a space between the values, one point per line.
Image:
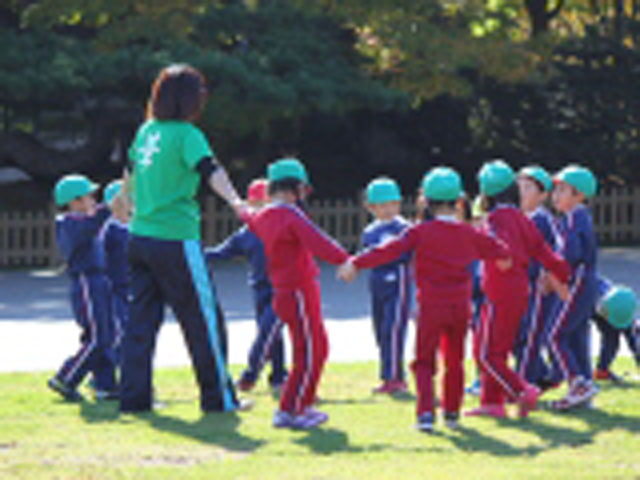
x=507 y=292
x=290 y=242
x=443 y=249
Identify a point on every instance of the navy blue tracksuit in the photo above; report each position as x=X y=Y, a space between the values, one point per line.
x=536 y=321
x=115 y=237
x=609 y=335
x=77 y=237
x=268 y=343
x=173 y=272
x=569 y=330
x=390 y=287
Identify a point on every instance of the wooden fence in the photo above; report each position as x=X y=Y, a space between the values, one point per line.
x=27 y=238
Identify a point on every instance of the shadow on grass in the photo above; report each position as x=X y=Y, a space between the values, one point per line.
x=213 y=428
x=596 y=421
x=471 y=440
x=327 y=441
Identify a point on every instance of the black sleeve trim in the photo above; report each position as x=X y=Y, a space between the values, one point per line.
x=206 y=167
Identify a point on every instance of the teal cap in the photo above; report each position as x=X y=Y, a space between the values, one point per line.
x=539 y=174
x=71 y=187
x=619 y=305
x=442 y=183
x=495 y=177
x=111 y=190
x=579 y=177
x=383 y=189
x=287 y=168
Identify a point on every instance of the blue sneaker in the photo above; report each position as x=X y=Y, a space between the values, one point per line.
x=68 y=393
x=425 y=422
x=474 y=388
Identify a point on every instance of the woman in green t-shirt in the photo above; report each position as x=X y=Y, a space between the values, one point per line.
x=168 y=158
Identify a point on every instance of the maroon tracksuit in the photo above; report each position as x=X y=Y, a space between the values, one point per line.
x=290 y=241
x=443 y=250
x=506 y=300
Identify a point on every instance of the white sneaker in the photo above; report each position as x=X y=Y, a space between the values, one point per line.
x=581 y=391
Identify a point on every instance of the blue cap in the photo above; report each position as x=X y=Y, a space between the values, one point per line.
x=619 y=305
x=287 y=168
x=495 y=177
x=539 y=174
x=579 y=177
x=72 y=186
x=442 y=183
x=383 y=189
x=111 y=190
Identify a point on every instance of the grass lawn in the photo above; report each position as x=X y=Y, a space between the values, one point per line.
x=367 y=437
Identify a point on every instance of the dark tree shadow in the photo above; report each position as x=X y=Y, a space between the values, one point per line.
x=212 y=428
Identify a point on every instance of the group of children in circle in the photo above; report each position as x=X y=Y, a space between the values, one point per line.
x=524 y=281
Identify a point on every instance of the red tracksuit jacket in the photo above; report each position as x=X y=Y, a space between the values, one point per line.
x=443 y=251
x=525 y=242
x=290 y=242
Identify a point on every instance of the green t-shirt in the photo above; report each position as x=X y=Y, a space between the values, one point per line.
x=164 y=155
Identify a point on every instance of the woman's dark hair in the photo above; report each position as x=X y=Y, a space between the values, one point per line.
x=178 y=93
x=510 y=196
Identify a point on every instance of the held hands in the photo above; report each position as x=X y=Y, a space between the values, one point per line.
x=504 y=264
x=561 y=289
x=347 y=272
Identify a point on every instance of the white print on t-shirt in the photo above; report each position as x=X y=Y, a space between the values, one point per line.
x=149 y=148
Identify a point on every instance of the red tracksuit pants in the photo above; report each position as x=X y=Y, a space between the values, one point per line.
x=299 y=309
x=499 y=323
x=444 y=325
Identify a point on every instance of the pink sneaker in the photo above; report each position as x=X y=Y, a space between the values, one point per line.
x=495 y=411
x=391 y=386
x=528 y=400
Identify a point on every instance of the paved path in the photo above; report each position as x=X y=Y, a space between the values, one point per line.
x=37 y=332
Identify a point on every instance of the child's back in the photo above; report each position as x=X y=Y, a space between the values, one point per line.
x=290 y=242
x=525 y=243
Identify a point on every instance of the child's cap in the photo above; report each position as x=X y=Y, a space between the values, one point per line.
x=495 y=177
x=579 y=177
x=619 y=304
x=257 y=190
x=383 y=189
x=287 y=168
x=111 y=190
x=71 y=187
x=539 y=174
x=442 y=183
x=477 y=208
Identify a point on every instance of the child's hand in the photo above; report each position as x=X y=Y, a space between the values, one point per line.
x=561 y=289
x=241 y=208
x=347 y=272
x=504 y=264
x=119 y=207
x=544 y=285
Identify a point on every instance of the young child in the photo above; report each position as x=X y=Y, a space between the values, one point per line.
x=534 y=184
x=569 y=333
x=268 y=343
x=613 y=316
x=442 y=248
x=77 y=237
x=506 y=292
x=389 y=284
x=290 y=242
x=115 y=236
